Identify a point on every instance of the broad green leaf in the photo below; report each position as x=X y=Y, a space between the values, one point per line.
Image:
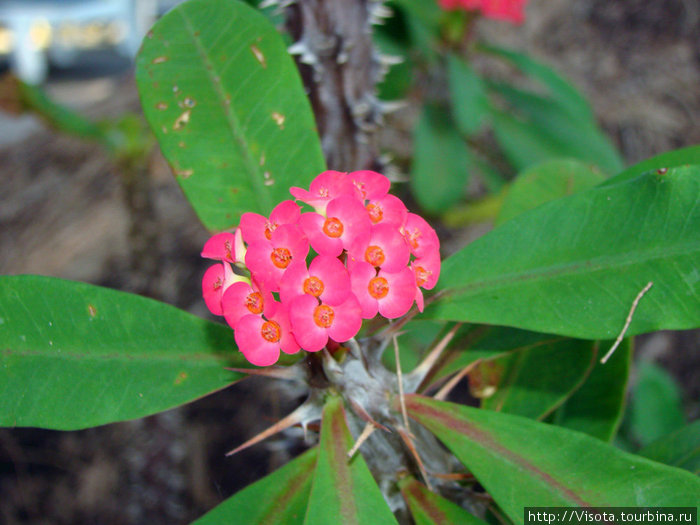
x=76 y=355
x=574 y=266
x=441 y=161
x=343 y=490
x=656 y=408
x=558 y=87
x=537 y=380
x=280 y=497
x=521 y=462
x=467 y=94
x=226 y=103
x=427 y=508
x=537 y=129
x=679 y=449
x=670 y=159
x=597 y=407
x=545 y=182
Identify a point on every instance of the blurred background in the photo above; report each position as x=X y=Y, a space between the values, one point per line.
x=99 y=204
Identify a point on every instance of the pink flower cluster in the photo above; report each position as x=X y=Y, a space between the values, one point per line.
x=508 y=10
x=371 y=256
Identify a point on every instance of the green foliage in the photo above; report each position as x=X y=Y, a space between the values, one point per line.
x=440 y=163
x=428 y=508
x=343 y=490
x=226 y=103
x=280 y=497
x=549 y=465
x=679 y=449
x=76 y=356
x=574 y=266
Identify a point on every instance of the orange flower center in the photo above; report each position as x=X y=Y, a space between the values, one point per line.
x=378 y=287
x=218 y=283
x=422 y=275
x=333 y=227
x=374 y=255
x=269 y=228
x=313 y=286
x=281 y=257
x=323 y=316
x=375 y=212
x=271 y=331
x=254 y=303
x=227 y=248
x=412 y=237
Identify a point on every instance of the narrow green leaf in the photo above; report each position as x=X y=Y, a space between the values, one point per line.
x=226 y=103
x=522 y=462
x=441 y=160
x=597 y=407
x=574 y=266
x=343 y=490
x=467 y=94
x=679 y=449
x=427 y=508
x=559 y=88
x=280 y=497
x=656 y=408
x=670 y=159
x=74 y=355
x=537 y=380
x=545 y=182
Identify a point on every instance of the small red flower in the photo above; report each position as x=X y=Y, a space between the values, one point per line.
x=313 y=322
x=390 y=294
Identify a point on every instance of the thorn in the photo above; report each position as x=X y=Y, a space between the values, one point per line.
x=627 y=322
x=447 y=388
x=400 y=381
x=411 y=446
x=366 y=433
x=454 y=476
x=306 y=412
x=419 y=373
x=330 y=365
x=364 y=415
x=291 y=373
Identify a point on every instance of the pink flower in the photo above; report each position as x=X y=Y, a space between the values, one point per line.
x=267 y=260
x=324 y=188
x=225 y=246
x=345 y=226
x=386 y=249
x=256 y=227
x=387 y=210
x=508 y=10
x=314 y=323
x=214 y=283
x=419 y=235
x=241 y=299
x=261 y=339
x=326 y=278
x=390 y=294
x=427 y=270
x=372 y=185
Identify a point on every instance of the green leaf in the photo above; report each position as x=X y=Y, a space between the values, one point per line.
x=468 y=95
x=679 y=449
x=280 y=497
x=537 y=128
x=522 y=462
x=545 y=182
x=560 y=89
x=597 y=407
x=343 y=490
x=655 y=408
x=574 y=266
x=537 y=380
x=440 y=164
x=670 y=159
x=427 y=508
x=76 y=356
x=226 y=103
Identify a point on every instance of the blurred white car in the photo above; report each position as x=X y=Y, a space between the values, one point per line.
x=34 y=33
